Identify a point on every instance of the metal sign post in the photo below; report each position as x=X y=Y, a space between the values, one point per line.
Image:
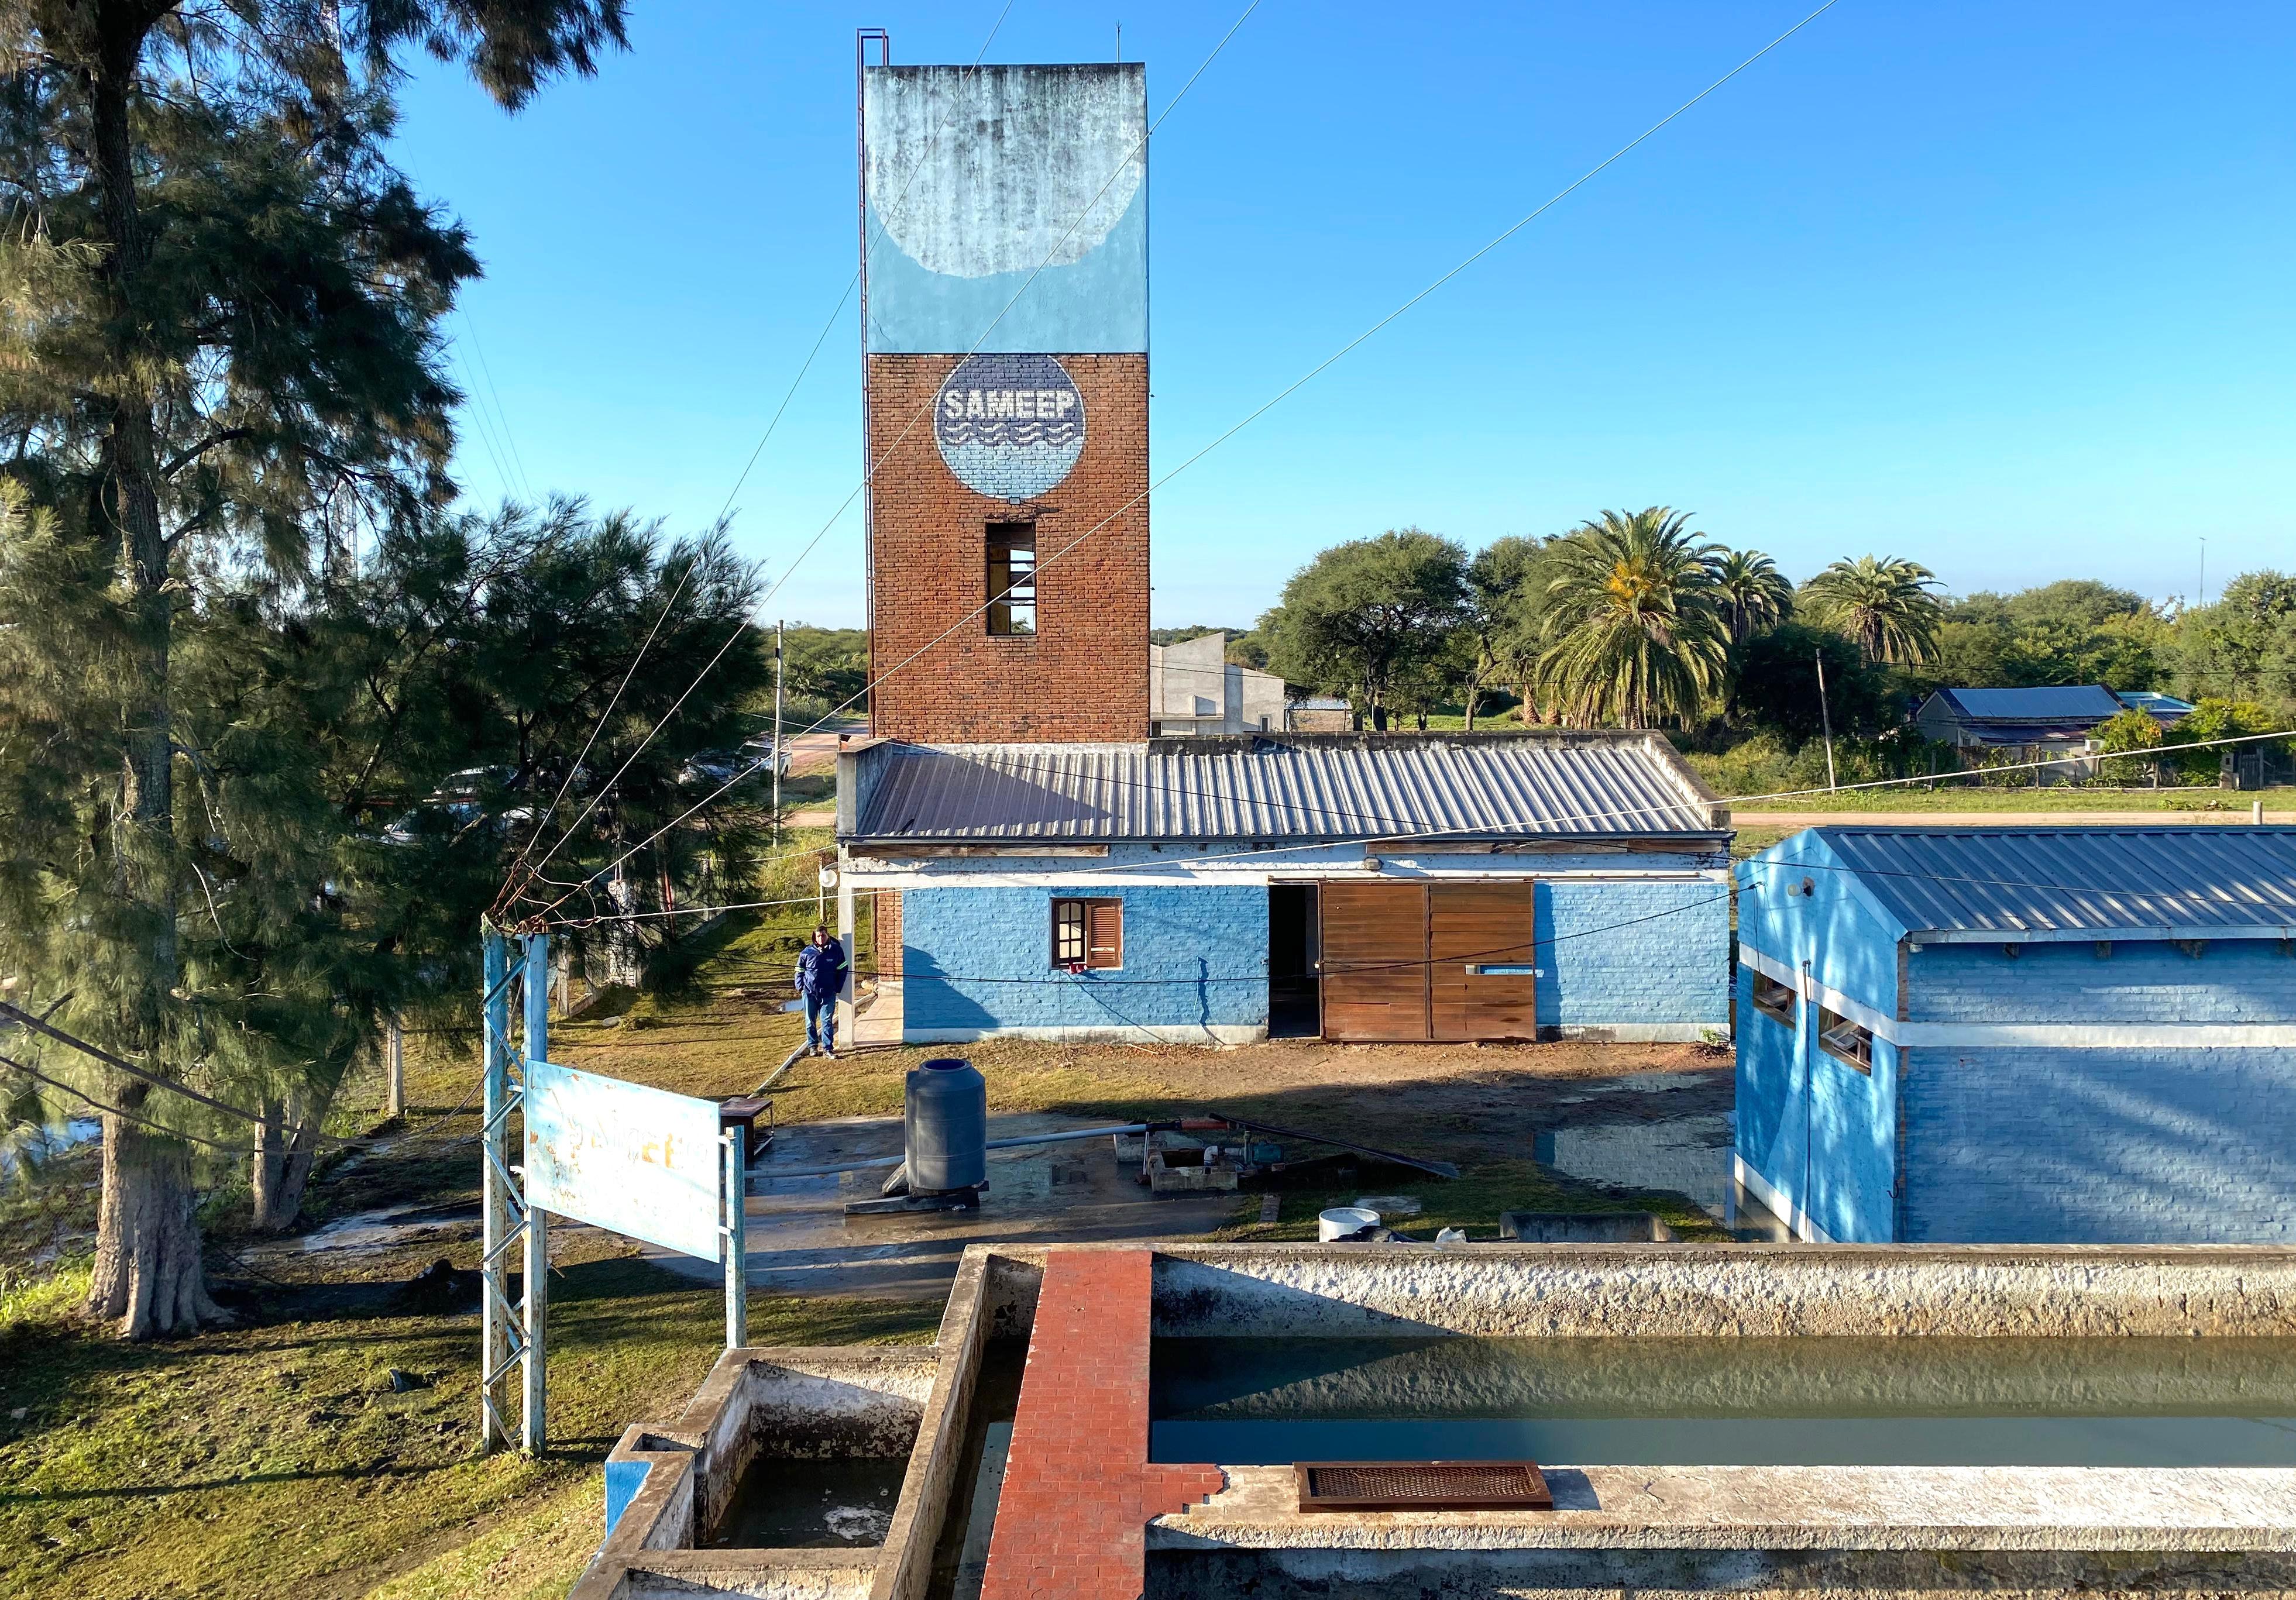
x=641 y=1162
x=510 y=1335
x=737 y=1241
x=535 y=1410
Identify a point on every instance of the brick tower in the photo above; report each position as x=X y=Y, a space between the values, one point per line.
x=1004 y=282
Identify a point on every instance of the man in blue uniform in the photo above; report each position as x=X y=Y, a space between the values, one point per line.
x=821 y=978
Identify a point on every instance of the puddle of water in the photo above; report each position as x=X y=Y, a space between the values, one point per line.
x=42 y=1143
x=1690 y=1155
x=390 y=1226
x=1752 y=1401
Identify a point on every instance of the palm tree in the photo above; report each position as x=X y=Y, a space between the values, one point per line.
x=1631 y=632
x=1884 y=604
x=1753 y=593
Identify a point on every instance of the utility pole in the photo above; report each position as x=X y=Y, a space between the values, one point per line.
x=1825 y=716
x=777 y=734
x=394 y=1069
x=2204 y=570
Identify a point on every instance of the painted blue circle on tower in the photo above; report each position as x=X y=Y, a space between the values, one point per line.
x=1009 y=426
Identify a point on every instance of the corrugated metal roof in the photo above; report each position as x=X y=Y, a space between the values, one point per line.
x=2192 y=879
x=1297 y=786
x=2076 y=702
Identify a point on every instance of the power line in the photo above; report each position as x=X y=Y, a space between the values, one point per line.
x=1352 y=344
x=869 y=474
x=535 y=835
x=39 y=1024
x=1732 y=801
x=502 y=417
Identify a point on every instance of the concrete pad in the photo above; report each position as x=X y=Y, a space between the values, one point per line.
x=801 y=1241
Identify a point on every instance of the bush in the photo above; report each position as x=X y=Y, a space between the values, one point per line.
x=2221 y=720
x=2131 y=730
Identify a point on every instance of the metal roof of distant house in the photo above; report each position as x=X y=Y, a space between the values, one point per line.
x=2188 y=881
x=1308 y=787
x=2069 y=704
x=2168 y=707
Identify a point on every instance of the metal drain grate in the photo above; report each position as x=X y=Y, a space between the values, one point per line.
x=1422 y=1486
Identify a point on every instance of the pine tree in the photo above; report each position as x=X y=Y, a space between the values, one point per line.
x=217 y=346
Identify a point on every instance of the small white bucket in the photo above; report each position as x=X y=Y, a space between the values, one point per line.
x=1340 y=1221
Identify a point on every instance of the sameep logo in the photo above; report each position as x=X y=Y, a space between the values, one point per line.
x=1009 y=426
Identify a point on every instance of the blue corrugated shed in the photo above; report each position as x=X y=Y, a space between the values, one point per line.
x=2020 y=1035
x=2079 y=882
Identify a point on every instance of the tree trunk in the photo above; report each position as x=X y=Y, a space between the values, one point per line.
x=149 y=1277
x=148 y=1271
x=286 y=1145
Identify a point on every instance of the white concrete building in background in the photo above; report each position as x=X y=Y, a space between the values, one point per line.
x=1193 y=688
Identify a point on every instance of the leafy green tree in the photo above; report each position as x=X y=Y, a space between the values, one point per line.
x=2214 y=718
x=1632 y=633
x=1883 y=604
x=825 y=667
x=2074 y=631
x=1970 y=655
x=2121 y=732
x=1753 y=593
x=1367 y=613
x=219 y=349
x=1774 y=685
x=1507 y=584
x=2244 y=645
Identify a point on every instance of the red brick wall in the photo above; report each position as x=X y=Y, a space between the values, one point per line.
x=887 y=933
x=1084 y=674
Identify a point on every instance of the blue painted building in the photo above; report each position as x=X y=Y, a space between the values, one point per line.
x=1391 y=887
x=2080 y=1035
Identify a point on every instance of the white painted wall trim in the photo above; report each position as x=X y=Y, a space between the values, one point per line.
x=1639 y=1033
x=2086 y=1036
x=1880 y=1025
x=2026 y=1036
x=1177 y=1033
x=967 y=875
x=1797 y=1221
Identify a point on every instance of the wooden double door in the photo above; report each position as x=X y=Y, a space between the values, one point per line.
x=1430 y=960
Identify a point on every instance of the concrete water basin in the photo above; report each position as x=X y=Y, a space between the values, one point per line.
x=1679 y=1336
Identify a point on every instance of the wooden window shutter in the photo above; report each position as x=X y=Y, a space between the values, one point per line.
x=1105 y=933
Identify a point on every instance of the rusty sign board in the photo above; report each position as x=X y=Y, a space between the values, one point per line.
x=618 y=1155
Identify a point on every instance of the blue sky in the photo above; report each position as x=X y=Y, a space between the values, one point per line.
x=2003 y=288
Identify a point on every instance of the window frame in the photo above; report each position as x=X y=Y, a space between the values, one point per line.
x=1763 y=1002
x=1857 y=1052
x=1012 y=596
x=1083 y=906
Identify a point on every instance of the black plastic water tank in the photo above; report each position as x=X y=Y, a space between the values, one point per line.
x=945 y=1126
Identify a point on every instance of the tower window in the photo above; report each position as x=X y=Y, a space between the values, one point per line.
x=1012 y=577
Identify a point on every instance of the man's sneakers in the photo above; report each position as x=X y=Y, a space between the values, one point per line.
x=829 y=1052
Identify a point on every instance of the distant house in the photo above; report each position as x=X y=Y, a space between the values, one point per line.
x=2056 y=721
x=2007 y=1036
x=1215 y=889
x=1193 y=688
x=2165 y=709
x=1322 y=714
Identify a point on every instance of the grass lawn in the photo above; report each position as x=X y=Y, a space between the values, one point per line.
x=276 y=1456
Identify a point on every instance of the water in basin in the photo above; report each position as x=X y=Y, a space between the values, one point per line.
x=1719 y=1401
x=813 y=1505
